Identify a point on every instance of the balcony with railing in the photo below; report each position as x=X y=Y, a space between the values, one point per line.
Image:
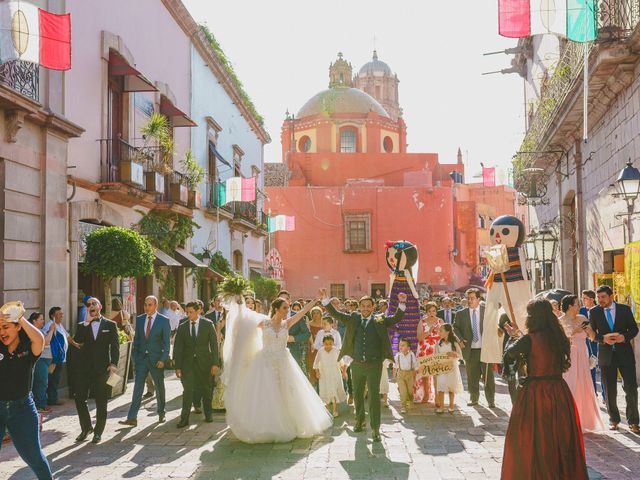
x=244 y=215
x=23 y=77
x=617 y=21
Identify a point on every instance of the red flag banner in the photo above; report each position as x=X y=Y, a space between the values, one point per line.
x=489 y=177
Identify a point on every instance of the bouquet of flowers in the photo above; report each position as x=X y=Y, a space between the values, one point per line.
x=235 y=285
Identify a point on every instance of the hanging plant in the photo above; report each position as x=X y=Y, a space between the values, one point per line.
x=166 y=230
x=193 y=173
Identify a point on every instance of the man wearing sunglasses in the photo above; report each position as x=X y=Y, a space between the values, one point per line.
x=97 y=359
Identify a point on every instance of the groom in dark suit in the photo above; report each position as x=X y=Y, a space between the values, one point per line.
x=367 y=342
x=615 y=327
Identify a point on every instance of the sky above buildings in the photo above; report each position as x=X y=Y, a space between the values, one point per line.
x=281 y=50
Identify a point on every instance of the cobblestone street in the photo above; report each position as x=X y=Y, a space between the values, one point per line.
x=422 y=445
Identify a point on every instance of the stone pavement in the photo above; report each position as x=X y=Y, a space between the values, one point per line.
x=422 y=445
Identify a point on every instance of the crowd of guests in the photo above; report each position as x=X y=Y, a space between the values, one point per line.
x=557 y=353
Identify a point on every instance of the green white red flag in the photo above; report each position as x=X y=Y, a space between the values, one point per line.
x=237 y=189
x=31 y=34
x=573 y=19
x=282 y=222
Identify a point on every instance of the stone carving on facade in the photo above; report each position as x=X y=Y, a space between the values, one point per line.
x=13 y=121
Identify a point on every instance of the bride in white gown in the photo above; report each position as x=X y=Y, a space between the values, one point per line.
x=267 y=396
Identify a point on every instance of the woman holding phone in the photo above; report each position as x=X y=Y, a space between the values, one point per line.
x=21 y=344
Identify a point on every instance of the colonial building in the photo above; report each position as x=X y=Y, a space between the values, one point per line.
x=568 y=181
x=351 y=185
x=56 y=188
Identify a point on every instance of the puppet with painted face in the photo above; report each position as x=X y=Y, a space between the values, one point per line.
x=402 y=259
x=509 y=231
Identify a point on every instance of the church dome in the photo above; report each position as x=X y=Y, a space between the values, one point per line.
x=374 y=67
x=341 y=100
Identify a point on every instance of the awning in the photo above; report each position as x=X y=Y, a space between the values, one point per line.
x=211 y=274
x=134 y=81
x=188 y=260
x=214 y=150
x=164 y=260
x=177 y=116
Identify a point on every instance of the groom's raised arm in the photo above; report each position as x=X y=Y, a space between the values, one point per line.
x=342 y=317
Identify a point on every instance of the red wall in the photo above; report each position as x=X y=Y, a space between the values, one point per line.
x=313 y=255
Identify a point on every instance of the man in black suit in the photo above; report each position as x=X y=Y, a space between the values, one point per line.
x=96 y=360
x=615 y=327
x=446 y=313
x=468 y=328
x=195 y=353
x=366 y=341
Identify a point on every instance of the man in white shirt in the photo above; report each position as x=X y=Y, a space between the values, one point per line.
x=468 y=328
x=446 y=313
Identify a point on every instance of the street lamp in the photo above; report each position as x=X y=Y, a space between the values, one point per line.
x=546 y=246
x=206 y=256
x=530 y=247
x=628 y=188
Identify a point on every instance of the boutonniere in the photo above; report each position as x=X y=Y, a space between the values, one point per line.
x=379 y=319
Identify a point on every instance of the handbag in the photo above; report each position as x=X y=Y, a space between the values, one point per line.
x=593 y=360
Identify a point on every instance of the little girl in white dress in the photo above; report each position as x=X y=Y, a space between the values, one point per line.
x=450 y=382
x=327 y=367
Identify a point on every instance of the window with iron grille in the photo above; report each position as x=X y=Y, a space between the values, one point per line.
x=337 y=290
x=348 y=140
x=357 y=230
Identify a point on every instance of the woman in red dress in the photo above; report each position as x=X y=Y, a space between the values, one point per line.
x=428 y=335
x=544 y=438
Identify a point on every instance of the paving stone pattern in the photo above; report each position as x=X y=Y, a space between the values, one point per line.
x=421 y=445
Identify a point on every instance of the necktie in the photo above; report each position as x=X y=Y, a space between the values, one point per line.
x=448 y=316
x=148 y=331
x=474 y=327
x=193 y=332
x=364 y=322
x=609 y=318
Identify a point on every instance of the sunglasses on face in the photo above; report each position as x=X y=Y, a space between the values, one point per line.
x=91 y=304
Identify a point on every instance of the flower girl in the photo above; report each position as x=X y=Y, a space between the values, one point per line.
x=327 y=367
x=450 y=382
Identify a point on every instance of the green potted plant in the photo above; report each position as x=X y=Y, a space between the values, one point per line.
x=192 y=174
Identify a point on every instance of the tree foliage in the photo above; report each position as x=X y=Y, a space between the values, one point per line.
x=220 y=264
x=166 y=230
x=265 y=288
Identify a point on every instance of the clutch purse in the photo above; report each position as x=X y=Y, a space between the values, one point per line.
x=15 y=310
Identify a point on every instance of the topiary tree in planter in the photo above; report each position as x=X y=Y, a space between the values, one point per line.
x=115 y=252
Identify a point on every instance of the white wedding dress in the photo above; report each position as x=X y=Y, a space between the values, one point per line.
x=267 y=396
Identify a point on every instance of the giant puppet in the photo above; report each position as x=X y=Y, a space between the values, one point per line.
x=402 y=259
x=507 y=285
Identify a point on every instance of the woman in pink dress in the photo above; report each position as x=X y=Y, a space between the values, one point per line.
x=579 y=374
x=428 y=336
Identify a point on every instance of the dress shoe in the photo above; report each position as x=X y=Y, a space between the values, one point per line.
x=197 y=410
x=634 y=429
x=129 y=422
x=472 y=404
x=376 y=436
x=161 y=418
x=182 y=424
x=148 y=395
x=613 y=426
x=83 y=435
x=208 y=419
x=350 y=400
x=359 y=427
x=96 y=439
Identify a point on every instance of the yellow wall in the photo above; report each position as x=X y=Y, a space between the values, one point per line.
x=311 y=133
x=395 y=138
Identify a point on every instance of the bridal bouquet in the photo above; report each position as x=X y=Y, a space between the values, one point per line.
x=235 y=285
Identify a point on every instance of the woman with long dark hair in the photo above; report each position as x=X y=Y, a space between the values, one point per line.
x=21 y=344
x=544 y=437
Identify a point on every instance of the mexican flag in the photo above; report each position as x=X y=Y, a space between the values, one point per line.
x=573 y=19
x=284 y=223
x=237 y=189
x=34 y=35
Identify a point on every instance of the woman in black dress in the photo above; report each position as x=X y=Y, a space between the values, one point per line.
x=21 y=345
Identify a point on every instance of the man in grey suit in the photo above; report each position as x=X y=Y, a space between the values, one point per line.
x=150 y=354
x=468 y=327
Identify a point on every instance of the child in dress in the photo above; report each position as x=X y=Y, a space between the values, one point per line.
x=328 y=328
x=384 y=383
x=328 y=369
x=450 y=382
x=404 y=373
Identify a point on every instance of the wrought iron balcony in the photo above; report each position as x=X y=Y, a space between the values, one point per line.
x=241 y=211
x=23 y=77
x=122 y=162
